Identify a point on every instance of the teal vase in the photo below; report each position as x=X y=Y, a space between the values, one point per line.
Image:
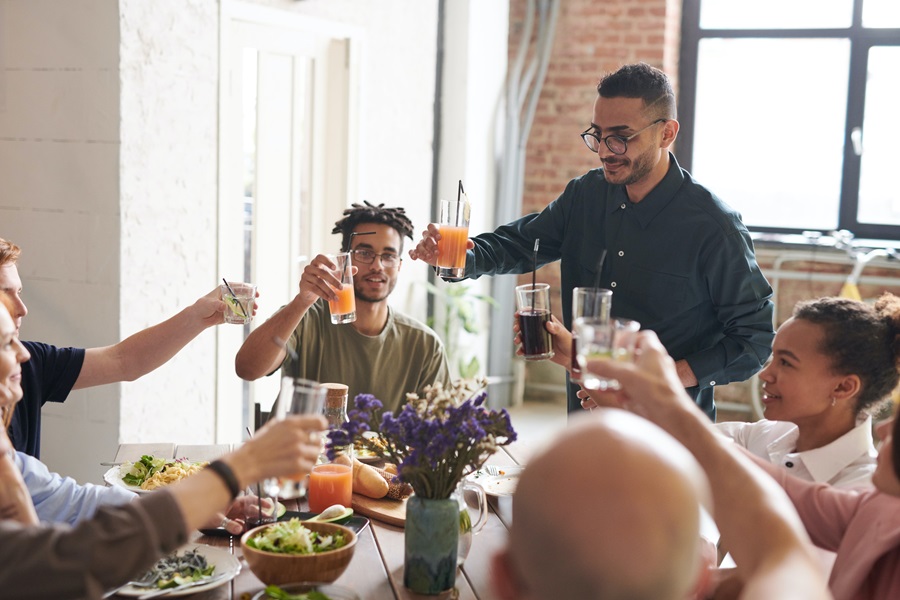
x=432 y=539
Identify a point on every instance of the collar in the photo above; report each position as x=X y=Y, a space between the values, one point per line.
x=826 y=462
x=658 y=198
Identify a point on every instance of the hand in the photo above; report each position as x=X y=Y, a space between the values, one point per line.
x=319 y=281
x=562 y=341
x=210 y=309
x=240 y=511
x=288 y=447
x=650 y=386
x=591 y=399
x=427 y=249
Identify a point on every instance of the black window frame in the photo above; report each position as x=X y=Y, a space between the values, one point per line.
x=861 y=40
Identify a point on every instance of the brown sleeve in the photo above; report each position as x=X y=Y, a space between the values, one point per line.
x=119 y=542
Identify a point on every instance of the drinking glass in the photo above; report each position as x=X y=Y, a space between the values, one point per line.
x=343 y=310
x=454 y=229
x=297 y=397
x=239 y=304
x=533 y=304
x=590 y=302
x=604 y=339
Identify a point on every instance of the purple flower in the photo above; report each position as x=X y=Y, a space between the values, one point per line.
x=435 y=441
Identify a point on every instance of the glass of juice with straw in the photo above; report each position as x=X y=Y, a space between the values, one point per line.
x=454 y=229
x=343 y=310
x=533 y=313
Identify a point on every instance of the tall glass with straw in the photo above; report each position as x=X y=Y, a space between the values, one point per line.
x=533 y=314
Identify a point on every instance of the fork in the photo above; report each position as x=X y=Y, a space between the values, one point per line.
x=492 y=470
x=147 y=580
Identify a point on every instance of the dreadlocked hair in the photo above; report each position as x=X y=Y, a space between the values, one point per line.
x=369 y=213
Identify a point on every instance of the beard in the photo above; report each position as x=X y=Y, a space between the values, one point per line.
x=641 y=166
x=363 y=296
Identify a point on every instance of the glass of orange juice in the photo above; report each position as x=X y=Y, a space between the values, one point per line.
x=343 y=310
x=330 y=483
x=454 y=229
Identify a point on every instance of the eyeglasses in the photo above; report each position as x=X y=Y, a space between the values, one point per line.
x=367 y=257
x=617 y=144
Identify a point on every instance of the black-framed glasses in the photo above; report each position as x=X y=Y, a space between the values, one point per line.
x=389 y=260
x=617 y=144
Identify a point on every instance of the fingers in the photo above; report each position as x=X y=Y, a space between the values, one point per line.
x=318 y=278
x=427 y=249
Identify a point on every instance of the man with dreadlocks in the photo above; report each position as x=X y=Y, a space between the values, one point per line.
x=383 y=352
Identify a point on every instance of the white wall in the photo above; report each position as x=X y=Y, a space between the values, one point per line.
x=108 y=147
x=59 y=155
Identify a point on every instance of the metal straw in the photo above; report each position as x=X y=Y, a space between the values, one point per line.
x=236 y=299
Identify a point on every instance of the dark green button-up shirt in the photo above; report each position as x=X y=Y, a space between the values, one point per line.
x=680 y=262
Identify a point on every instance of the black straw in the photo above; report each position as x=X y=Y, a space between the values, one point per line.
x=460 y=191
x=350 y=239
x=600 y=267
x=241 y=304
x=537 y=243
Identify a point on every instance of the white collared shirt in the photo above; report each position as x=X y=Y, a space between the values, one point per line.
x=847 y=462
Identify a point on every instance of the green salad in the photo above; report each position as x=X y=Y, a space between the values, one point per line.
x=291 y=537
x=273 y=591
x=141 y=470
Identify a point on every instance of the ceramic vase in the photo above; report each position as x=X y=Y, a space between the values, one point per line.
x=432 y=538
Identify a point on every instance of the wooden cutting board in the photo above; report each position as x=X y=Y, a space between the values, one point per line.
x=392 y=512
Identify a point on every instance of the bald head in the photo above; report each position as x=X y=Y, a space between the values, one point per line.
x=610 y=510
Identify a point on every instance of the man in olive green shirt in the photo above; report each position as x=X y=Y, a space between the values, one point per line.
x=383 y=353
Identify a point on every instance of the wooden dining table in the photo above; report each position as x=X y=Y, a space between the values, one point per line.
x=376 y=570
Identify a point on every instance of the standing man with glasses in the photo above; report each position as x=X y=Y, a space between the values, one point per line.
x=383 y=352
x=677 y=259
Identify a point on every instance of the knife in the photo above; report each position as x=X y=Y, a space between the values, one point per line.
x=158 y=593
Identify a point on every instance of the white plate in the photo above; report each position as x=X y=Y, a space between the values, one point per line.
x=226 y=565
x=114 y=477
x=498 y=485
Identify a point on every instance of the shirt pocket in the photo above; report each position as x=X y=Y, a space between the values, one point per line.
x=657 y=296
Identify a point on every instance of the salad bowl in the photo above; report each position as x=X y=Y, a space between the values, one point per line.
x=282 y=561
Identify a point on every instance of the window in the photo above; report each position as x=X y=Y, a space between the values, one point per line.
x=787 y=109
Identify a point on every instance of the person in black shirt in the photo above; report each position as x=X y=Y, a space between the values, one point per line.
x=678 y=259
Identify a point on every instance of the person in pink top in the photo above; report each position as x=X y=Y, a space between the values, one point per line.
x=861 y=526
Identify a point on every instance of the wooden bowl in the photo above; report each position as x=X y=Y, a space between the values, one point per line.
x=274 y=568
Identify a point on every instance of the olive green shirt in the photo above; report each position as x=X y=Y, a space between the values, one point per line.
x=405 y=357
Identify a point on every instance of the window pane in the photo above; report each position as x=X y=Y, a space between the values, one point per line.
x=769 y=129
x=881 y=13
x=777 y=14
x=879 y=196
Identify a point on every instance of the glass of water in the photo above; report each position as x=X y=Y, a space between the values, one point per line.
x=599 y=339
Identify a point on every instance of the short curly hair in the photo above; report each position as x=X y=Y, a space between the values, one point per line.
x=640 y=80
x=860 y=339
x=369 y=213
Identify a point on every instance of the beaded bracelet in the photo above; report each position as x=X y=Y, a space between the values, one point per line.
x=224 y=471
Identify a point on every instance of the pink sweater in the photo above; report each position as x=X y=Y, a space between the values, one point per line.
x=862 y=526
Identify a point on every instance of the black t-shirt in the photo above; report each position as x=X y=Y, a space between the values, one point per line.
x=47 y=377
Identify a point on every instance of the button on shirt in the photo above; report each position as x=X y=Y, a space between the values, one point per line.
x=847 y=462
x=680 y=262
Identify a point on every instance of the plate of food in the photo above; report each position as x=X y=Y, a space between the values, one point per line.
x=151 y=473
x=188 y=567
x=365 y=452
x=497 y=480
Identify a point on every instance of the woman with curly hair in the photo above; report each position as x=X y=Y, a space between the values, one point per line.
x=833 y=366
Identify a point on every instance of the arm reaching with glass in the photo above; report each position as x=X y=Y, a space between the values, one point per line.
x=263 y=351
x=768 y=540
